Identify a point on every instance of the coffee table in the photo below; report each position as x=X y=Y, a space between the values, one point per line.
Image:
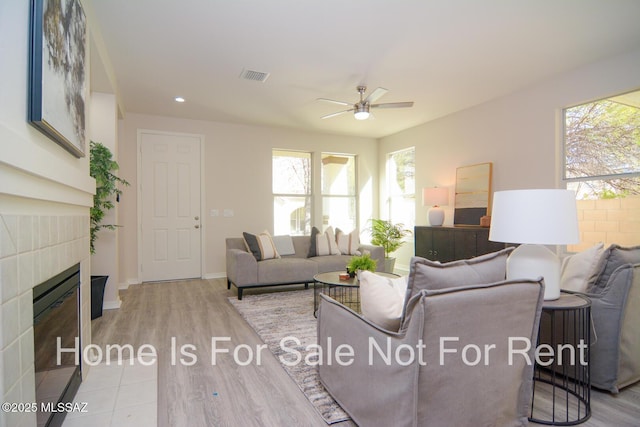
x=346 y=292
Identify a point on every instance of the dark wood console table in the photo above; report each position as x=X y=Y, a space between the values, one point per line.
x=446 y=244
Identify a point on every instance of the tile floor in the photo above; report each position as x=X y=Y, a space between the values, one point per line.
x=118 y=395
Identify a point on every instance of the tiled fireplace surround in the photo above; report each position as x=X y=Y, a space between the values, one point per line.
x=34 y=248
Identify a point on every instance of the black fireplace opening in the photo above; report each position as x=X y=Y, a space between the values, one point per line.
x=56 y=324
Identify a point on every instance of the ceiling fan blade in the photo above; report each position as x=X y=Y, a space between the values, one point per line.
x=393 y=105
x=373 y=96
x=333 y=101
x=336 y=114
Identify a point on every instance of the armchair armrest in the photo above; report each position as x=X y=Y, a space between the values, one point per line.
x=615 y=356
x=362 y=380
x=242 y=267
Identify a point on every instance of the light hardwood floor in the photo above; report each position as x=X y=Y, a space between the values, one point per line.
x=224 y=393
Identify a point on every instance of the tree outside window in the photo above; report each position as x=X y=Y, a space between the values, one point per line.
x=401 y=186
x=339 y=195
x=291 y=182
x=602 y=147
x=602 y=165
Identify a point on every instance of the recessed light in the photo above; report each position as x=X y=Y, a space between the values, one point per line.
x=179 y=99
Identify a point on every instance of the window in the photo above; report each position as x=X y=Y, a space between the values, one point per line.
x=602 y=165
x=291 y=178
x=401 y=187
x=339 y=198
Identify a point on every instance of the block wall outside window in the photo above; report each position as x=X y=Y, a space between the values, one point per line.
x=608 y=221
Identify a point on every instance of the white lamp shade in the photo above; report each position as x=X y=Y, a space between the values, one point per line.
x=544 y=217
x=435 y=196
x=535 y=218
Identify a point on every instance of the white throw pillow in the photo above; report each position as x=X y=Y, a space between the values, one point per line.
x=382 y=299
x=348 y=243
x=284 y=245
x=577 y=269
x=326 y=243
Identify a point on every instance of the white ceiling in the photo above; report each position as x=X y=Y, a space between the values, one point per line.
x=445 y=55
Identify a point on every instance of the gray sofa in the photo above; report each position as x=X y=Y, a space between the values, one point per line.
x=244 y=272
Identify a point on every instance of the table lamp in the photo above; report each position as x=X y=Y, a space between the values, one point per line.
x=435 y=197
x=534 y=218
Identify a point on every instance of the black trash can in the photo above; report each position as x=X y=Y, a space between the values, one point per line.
x=98 y=284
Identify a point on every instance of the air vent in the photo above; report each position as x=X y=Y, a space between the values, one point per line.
x=257 y=76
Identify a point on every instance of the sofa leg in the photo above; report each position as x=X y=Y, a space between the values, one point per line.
x=239 y=294
x=306 y=286
x=228 y=284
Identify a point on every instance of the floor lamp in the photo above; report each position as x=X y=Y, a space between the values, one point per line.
x=534 y=218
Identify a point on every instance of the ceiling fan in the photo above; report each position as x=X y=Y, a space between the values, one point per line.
x=361 y=108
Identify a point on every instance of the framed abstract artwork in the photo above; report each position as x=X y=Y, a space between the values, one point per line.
x=57 y=68
x=473 y=193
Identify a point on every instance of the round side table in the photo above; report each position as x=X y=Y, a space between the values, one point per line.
x=561 y=373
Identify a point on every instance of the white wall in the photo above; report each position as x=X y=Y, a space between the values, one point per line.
x=520 y=133
x=237 y=176
x=45 y=195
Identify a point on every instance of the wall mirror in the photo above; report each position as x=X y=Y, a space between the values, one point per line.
x=473 y=193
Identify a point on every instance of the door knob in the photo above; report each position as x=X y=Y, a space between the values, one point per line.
x=196 y=218
x=197 y=226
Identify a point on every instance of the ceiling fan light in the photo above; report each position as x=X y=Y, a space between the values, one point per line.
x=361 y=112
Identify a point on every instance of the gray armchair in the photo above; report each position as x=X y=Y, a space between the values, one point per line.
x=615 y=309
x=418 y=375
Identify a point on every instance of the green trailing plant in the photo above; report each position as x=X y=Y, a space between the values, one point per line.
x=102 y=168
x=362 y=262
x=388 y=235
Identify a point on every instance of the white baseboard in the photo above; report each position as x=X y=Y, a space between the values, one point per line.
x=215 y=275
x=130 y=282
x=125 y=286
x=111 y=305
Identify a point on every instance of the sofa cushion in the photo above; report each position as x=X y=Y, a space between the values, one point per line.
x=286 y=270
x=382 y=298
x=581 y=269
x=612 y=258
x=260 y=245
x=432 y=275
x=348 y=243
x=331 y=262
x=323 y=243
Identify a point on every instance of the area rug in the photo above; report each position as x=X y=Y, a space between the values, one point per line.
x=277 y=315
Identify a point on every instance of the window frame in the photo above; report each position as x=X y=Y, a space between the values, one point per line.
x=355 y=196
x=405 y=195
x=602 y=177
x=309 y=195
x=602 y=206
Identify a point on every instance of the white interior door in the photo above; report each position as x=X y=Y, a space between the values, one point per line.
x=170 y=206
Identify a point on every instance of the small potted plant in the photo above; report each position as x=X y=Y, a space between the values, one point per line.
x=388 y=235
x=361 y=262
